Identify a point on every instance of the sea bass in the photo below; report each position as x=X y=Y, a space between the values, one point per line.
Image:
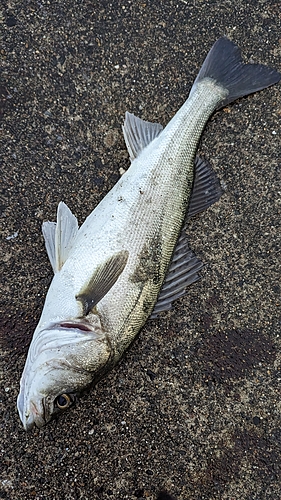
x=130 y=259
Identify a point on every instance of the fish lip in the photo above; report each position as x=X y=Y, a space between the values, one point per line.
x=20 y=405
x=28 y=424
x=35 y=417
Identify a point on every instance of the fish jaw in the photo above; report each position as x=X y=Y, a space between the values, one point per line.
x=34 y=416
x=63 y=359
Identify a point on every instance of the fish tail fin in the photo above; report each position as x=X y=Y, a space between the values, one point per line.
x=224 y=65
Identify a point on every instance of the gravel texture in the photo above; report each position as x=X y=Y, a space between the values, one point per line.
x=194 y=406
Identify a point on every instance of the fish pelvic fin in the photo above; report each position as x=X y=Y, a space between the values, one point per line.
x=224 y=65
x=49 y=235
x=59 y=236
x=138 y=134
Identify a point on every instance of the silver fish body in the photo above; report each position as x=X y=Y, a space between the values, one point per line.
x=109 y=273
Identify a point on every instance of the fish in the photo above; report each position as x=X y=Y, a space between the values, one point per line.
x=130 y=259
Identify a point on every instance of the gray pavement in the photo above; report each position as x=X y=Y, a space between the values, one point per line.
x=194 y=406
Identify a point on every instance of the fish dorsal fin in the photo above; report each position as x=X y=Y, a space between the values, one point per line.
x=138 y=133
x=103 y=279
x=185 y=265
x=206 y=187
x=182 y=272
x=59 y=236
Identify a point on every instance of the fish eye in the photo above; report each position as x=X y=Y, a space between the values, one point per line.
x=63 y=401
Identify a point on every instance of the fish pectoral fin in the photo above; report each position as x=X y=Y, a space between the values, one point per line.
x=206 y=187
x=103 y=279
x=183 y=271
x=59 y=236
x=138 y=133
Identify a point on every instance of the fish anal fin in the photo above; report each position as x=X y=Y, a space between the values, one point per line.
x=103 y=279
x=182 y=272
x=206 y=187
x=138 y=133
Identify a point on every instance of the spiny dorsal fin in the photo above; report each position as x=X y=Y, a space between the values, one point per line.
x=182 y=272
x=103 y=279
x=138 y=133
x=59 y=236
x=206 y=187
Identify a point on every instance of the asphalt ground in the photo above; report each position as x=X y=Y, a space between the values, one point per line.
x=194 y=406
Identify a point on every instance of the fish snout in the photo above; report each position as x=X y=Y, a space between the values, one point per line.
x=28 y=422
x=33 y=416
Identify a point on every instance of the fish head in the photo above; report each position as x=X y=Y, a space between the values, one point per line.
x=64 y=360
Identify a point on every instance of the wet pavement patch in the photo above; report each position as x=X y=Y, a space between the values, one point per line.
x=231 y=355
